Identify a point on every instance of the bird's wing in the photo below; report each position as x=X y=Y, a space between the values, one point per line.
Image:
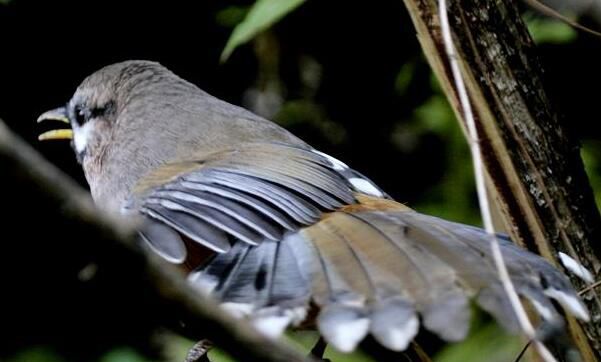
x=295 y=229
x=253 y=193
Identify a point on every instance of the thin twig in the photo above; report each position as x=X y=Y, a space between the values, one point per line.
x=485 y=211
x=590 y=287
x=522 y=352
x=319 y=349
x=535 y=4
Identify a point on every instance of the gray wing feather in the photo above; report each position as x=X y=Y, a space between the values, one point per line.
x=367 y=270
x=269 y=211
x=165 y=241
x=199 y=231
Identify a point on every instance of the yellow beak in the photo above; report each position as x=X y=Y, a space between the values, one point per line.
x=59 y=114
x=56 y=134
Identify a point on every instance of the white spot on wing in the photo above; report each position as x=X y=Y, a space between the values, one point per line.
x=576 y=268
x=353 y=301
x=569 y=302
x=337 y=164
x=238 y=310
x=543 y=311
x=365 y=186
x=204 y=283
x=272 y=326
x=398 y=338
x=346 y=335
x=298 y=315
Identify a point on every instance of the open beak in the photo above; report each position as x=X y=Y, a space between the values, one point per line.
x=59 y=114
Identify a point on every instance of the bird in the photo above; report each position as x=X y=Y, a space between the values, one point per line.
x=280 y=233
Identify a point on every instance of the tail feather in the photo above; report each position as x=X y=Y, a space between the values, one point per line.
x=338 y=261
x=248 y=281
x=343 y=326
x=493 y=300
x=527 y=270
x=390 y=267
x=343 y=318
x=442 y=303
x=372 y=263
x=374 y=272
x=468 y=261
x=288 y=282
x=296 y=231
x=394 y=323
x=449 y=316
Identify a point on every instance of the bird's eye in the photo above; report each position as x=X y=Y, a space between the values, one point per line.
x=83 y=114
x=80 y=116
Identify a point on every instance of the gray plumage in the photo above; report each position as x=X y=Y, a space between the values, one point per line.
x=145 y=101
x=292 y=229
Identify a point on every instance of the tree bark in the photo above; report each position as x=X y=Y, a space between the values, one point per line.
x=535 y=174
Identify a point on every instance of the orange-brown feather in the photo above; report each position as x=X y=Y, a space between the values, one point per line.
x=373 y=203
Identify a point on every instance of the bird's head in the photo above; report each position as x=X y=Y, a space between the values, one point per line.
x=117 y=126
x=93 y=111
x=128 y=118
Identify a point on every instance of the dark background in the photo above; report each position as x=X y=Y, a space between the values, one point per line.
x=50 y=46
x=347 y=77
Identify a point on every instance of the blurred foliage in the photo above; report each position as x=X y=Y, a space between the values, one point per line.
x=123 y=355
x=43 y=354
x=489 y=343
x=591 y=156
x=36 y=354
x=453 y=197
x=552 y=31
x=304 y=112
x=231 y=16
x=262 y=15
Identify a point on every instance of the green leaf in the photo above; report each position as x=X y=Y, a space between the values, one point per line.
x=124 y=354
x=489 y=342
x=551 y=31
x=262 y=15
x=404 y=78
x=591 y=156
x=231 y=16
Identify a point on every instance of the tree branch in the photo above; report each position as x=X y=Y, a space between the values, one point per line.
x=103 y=234
x=534 y=167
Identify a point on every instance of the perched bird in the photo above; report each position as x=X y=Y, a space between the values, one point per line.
x=281 y=233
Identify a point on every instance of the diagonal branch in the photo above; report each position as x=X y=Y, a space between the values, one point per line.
x=103 y=232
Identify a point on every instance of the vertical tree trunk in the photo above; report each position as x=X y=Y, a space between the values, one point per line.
x=534 y=170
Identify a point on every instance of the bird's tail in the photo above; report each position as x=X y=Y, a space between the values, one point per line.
x=382 y=269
